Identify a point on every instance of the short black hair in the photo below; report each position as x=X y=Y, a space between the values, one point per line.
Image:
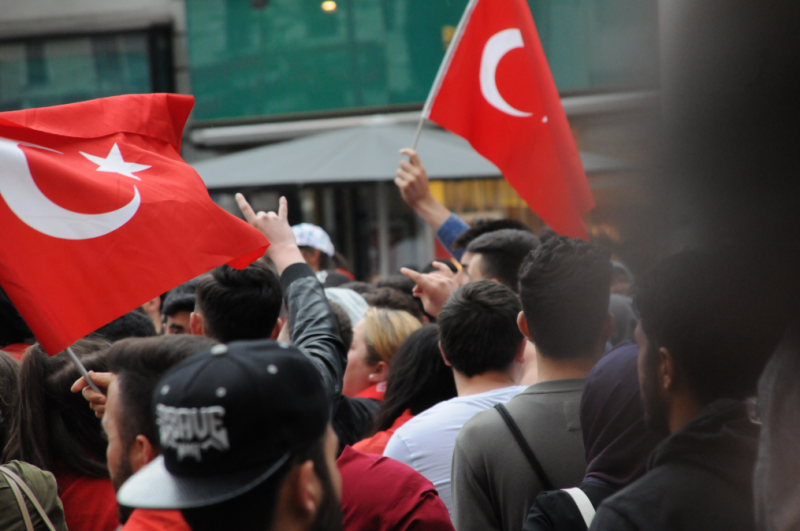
x=430 y=268
x=478 y=328
x=132 y=324
x=343 y=324
x=238 y=305
x=180 y=299
x=392 y=299
x=404 y=285
x=564 y=288
x=139 y=364
x=720 y=329
x=399 y=282
x=502 y=253
x=483 y=226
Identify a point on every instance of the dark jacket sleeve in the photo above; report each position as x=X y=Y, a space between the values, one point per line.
x=608 y=519
x=314 y=331
x=554 y=511
x=313 y=326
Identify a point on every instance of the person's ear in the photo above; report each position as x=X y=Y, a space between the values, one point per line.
x=308 y=491
x=381 y=372
x=141 y=453
x=608 y=329
x=520 y=357
x=667 y=371
x=444 y=356
x=196 y=324
x=522 y=323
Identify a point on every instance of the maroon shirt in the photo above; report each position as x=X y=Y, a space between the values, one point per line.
x=381 y=494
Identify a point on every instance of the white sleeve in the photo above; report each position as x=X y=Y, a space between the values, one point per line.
x=398 y=450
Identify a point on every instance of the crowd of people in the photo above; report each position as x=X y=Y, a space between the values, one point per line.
x=530 y=384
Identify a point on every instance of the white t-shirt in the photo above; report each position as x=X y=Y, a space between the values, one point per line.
x=426 y=442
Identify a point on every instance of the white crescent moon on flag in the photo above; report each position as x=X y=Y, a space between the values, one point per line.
x=36 y=210
x=496 y=48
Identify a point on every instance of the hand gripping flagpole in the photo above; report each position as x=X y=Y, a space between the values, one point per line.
x=448 y=57
x=83 y=370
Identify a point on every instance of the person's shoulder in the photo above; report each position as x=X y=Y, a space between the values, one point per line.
x=544 y=397
x=486 y=420
x=353 y=463
x=631 y=504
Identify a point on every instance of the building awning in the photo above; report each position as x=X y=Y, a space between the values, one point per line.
x=368 y=153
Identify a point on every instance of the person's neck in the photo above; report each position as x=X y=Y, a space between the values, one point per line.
x=684 y=409
x=482 y=383
x=550 y=369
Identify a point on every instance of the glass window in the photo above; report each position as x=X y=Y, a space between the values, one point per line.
x=54 y=71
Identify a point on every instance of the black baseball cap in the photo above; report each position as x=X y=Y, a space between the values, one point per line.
x=228 y=419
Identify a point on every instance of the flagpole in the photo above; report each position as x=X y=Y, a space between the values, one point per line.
x=448 y=57
x=83 y=371
x=418 y=133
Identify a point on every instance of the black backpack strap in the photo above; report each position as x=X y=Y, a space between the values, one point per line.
x=524 y=446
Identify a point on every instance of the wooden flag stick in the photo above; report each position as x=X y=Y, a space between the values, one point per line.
x=83 y=371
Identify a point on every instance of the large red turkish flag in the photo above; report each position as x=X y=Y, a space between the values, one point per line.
x=100 y=214
x=496 y=90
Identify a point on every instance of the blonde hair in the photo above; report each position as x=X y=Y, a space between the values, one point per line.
x=384 y=332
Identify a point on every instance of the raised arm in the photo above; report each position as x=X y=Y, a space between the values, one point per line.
x=313 y=324
x=412 y=180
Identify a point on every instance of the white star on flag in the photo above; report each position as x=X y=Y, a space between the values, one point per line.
x=114 y=163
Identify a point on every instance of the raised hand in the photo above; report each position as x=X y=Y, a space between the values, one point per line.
x=97 y=401
x=433 y=289
x=412 y=180
x=283 y=248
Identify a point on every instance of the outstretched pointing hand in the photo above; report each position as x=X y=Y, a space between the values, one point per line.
x=433 y=289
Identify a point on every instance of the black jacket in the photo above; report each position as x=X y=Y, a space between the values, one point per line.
x=314 y=331
x=700 y=478
x=555 y=510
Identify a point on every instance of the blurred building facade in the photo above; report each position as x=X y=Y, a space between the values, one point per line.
x=270 y=70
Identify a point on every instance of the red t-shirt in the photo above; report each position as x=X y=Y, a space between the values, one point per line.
x=381 y=494
x=90 y=504
x=151 y=520
x=377 y=443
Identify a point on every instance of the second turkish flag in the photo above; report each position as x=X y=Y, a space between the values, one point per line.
x=495 y=89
